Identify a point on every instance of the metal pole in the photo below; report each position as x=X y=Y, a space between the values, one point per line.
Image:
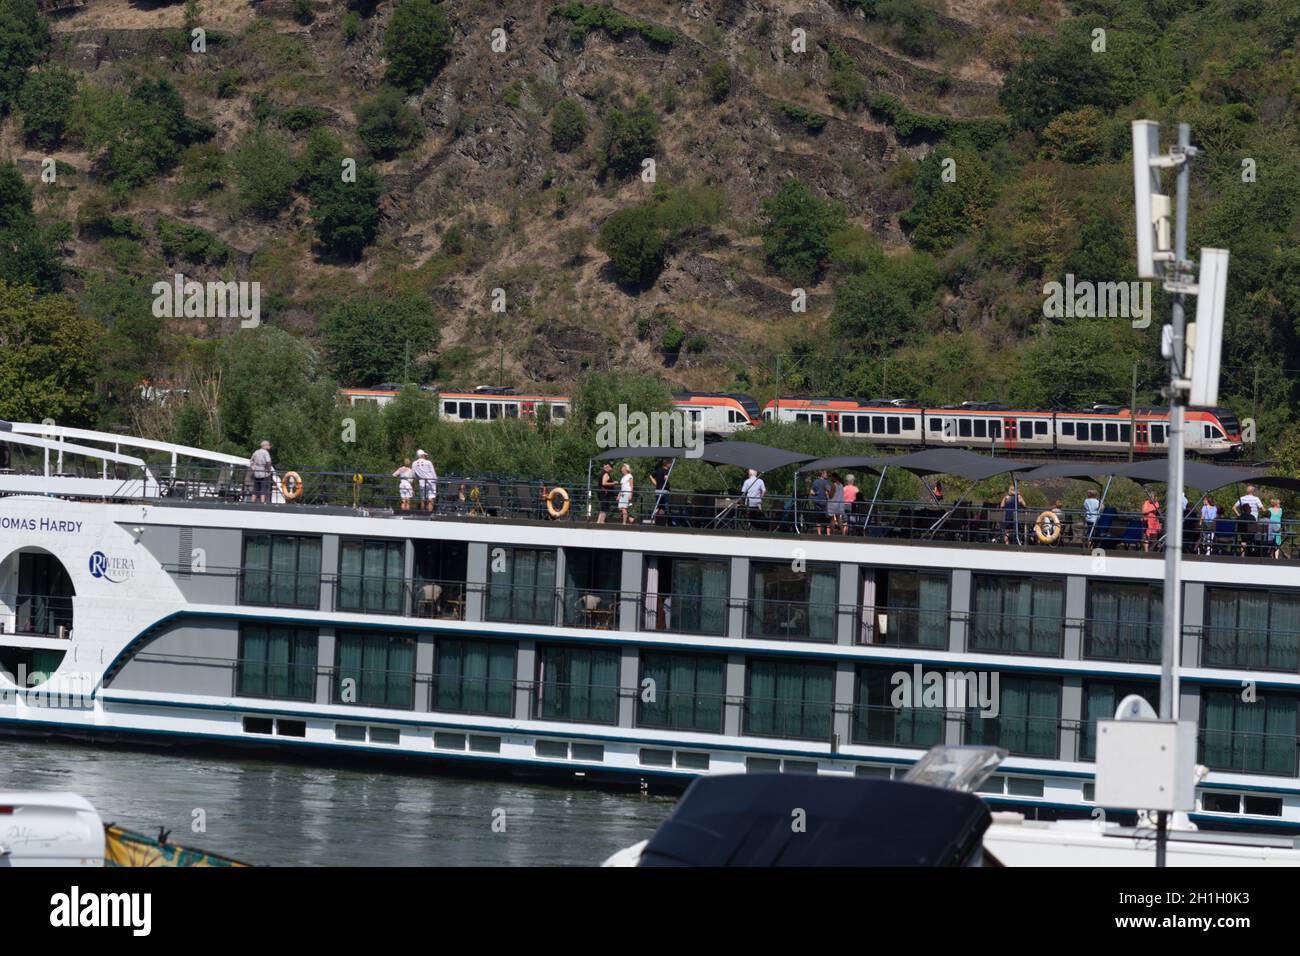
x=1174 y=538
x=1132 y=413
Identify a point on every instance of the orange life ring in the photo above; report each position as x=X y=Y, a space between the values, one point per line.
x=560 y=510
x=291 y=485
x=1048 y=527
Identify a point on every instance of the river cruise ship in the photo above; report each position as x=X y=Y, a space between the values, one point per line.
x=144 y=597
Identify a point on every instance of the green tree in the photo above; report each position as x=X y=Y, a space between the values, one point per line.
x=49 y=356
x=635 y=245
x=29 y=254
x=46 y=100
x=387 y=125
x=568 y=125
x=417 y=43
x=948 y=199
x=1061 y=74
x=629 y=137
x=24 y=36
x=797 y=230
x=345 y=210
x=718 y=81
x=1082 y=361
x=264 y=173
x=877 y=309
x=369 y=339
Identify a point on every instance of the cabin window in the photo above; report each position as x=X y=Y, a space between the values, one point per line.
x=849 y=424
x=936 y=425
x=909 y=423
x=1067 y=428
x=466 y=411
x=1028 y=721
x=449 y=408
x=792 y=605
x=891 y=425
x=1017 y=615
x=1112 y=432
x=1040 y=428
x=522 y=587
x=963 y=428
x=577 y=683
x=686 y=595
x=374 y=670
x=281 y=570
x=1124 y=621
x=689 y=691
x=980 y=428
x=788 y=699
x=877 y=721
x=370 y=576
x=474 y=677
x=878 y=424
x=1026 y=428
x=277 y=662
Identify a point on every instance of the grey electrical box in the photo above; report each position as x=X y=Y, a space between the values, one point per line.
x=1146 y=764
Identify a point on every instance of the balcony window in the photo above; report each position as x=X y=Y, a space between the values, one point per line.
x=277 y=662
x=1256 y=630
x=1125 y=621
x=793 y=605
x=375 y=670
x=1018 y=615
x=1258 y=736
x=475 y=677
x=1100 y=698
x=789 y=699
x=686 y=692
x=521 y=585
x=876 y=719
x=370 y=576
x=686 y=595
x=1028 y=721
x=578 y=683
x=281 y=570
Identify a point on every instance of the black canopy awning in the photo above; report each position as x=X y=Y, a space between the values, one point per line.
x=934 y=461
x=741 y=454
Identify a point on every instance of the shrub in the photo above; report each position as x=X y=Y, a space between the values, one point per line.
x=586 y=17
x=629 y=137
x=345 y=212
x=24 y=36
x=369 y=339
x=718 y=81
x=46 y=100
x=635 y=245
x=182 y=241
x=797 y=231
x=1080 y=136
x=299 y=118
x=568 y=125
x=264 y=173
x=351 y=26
x=810 y=121
x=417 y=43
x=387 y=125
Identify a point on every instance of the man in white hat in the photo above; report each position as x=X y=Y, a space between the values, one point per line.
x=428 y=476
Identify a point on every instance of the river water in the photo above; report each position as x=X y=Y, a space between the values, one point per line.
x=279 y=814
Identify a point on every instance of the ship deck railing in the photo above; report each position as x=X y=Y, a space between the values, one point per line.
x=501 y=498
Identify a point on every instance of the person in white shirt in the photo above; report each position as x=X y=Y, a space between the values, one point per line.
x=1249 y=500
x=625 y=493
x=754 y=489
x=428 y=476
x=405 y=476
x=261 y=468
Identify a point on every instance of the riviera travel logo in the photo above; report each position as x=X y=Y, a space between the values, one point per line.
x=114 y=570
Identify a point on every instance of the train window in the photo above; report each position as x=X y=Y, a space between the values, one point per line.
x=816 y=420
x=449 y=408
x=1157 y=434
x=1125 y=433
x=512 y=410
x=909 y=423
x=849 y=424
x=480 y=410
x=963 y=428
x=1112 y=431
x=1026 y=428
x=559 y=411
x=1098 y=431
x=1067 y=428
x=995 y=429
x=878 y=424
x=936 y=425
x=1040 y=428
x=891 y=425
x=981 y=428
x=801 y=419
x=466 y=410
x=494 y=410
x=1082 y=430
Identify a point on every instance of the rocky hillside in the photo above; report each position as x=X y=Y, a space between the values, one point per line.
x=481 y=199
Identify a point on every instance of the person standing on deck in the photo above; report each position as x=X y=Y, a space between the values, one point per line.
x=625 y=492
x=428 y=476
x=259 y=465
x=405 y=483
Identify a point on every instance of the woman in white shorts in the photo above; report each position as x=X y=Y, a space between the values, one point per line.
x=625 y=492
x=405 y=486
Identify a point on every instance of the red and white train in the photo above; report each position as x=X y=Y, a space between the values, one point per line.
x=1100 y=429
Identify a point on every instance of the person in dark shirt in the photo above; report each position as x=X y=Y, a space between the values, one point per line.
x=659 y=481
x=821 y=494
